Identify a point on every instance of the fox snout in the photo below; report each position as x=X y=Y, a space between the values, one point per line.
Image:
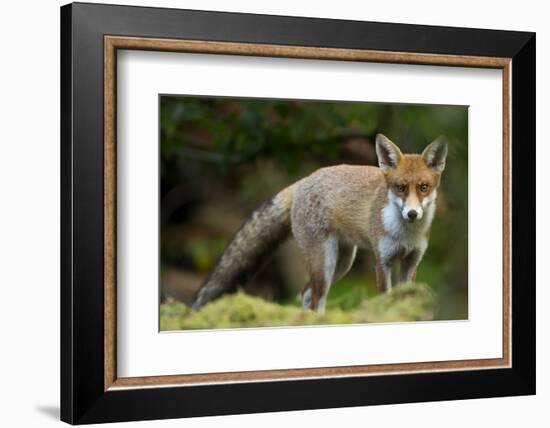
x=412 y=214
x=411 y=208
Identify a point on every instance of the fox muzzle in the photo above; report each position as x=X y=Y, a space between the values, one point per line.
x=412 y=213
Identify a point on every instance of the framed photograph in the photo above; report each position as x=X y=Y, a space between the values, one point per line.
x=266 y=213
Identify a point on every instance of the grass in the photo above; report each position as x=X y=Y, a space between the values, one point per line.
x=405 y=302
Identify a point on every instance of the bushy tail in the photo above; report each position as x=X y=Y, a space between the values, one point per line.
x=258 y=237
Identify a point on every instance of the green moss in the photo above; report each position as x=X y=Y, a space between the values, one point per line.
x=406 y=302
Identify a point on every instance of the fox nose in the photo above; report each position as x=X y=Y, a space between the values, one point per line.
x=412 y=214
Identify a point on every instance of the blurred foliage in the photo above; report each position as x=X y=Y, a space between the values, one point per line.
x=407 y=302
x=201 y=252
x=220 y=157
x=244 y=130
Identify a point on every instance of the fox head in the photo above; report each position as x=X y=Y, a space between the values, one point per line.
x=412 y=179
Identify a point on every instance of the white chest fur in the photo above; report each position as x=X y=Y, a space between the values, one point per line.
x=401 y=236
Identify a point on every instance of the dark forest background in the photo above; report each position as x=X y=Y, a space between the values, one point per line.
x=221 y=157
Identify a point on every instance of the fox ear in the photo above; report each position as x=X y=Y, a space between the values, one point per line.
x=388 y=153
x=435 y=154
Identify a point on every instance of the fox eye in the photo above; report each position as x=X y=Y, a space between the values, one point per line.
x=424 y=187
x=400 y=188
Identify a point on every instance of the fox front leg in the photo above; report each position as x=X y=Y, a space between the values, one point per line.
x=386 y=253
x=383 y=277
x=409 y=263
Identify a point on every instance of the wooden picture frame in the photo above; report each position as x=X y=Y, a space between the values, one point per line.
x=91 y=391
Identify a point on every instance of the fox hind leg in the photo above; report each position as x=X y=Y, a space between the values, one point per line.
x=322 y=260
x=346 y=257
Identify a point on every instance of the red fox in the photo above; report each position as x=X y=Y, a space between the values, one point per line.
x=336 y=210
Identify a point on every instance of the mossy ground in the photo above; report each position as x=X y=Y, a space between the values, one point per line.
x=406 y=302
